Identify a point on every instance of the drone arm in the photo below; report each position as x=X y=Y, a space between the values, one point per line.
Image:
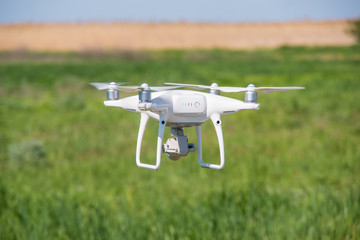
x=143 y=122
x=215 y=118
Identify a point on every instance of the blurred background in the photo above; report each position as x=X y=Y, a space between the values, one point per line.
x=137 y=25
x=67 y=163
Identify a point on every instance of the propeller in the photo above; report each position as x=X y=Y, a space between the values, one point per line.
x=250 y=87
x=145 y=87
x=144 y=90
x=142 y=87
x=103 y=86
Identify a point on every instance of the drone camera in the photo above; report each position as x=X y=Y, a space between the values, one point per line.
x=177 y=147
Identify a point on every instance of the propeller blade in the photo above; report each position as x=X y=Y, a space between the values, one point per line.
x=212 y=86
x=128 y=88
x=232 y=89
x=198 y=87
x=103 y=85
x=259 y=89
x=100 y=86
x=277 y=89
x=145 y=86
x=158 y=89
x=236 y=89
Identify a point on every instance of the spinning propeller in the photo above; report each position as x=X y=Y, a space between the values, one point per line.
x=250 y=90
x=144 y=90
x=103 y=86
x=250 y=87
x=144 y=86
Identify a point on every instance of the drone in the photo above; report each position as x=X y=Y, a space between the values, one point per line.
x=178 y=109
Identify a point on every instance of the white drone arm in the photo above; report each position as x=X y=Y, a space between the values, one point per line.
x=143 y=122
x=215 y=118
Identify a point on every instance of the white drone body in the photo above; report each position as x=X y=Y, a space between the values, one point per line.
x=182 y=108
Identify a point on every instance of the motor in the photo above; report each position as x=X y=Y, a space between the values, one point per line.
x=251 y=94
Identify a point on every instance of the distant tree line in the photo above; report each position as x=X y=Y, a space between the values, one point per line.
x=354 y=29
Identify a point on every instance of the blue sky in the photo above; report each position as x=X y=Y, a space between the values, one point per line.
x=18 y=11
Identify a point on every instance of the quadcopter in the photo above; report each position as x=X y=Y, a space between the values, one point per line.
x=177 y=109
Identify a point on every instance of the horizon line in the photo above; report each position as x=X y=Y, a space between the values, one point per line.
x=308 y=20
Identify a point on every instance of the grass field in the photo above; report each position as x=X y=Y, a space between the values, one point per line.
x=67 y=163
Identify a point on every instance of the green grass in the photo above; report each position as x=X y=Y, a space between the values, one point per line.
x=292 y=168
